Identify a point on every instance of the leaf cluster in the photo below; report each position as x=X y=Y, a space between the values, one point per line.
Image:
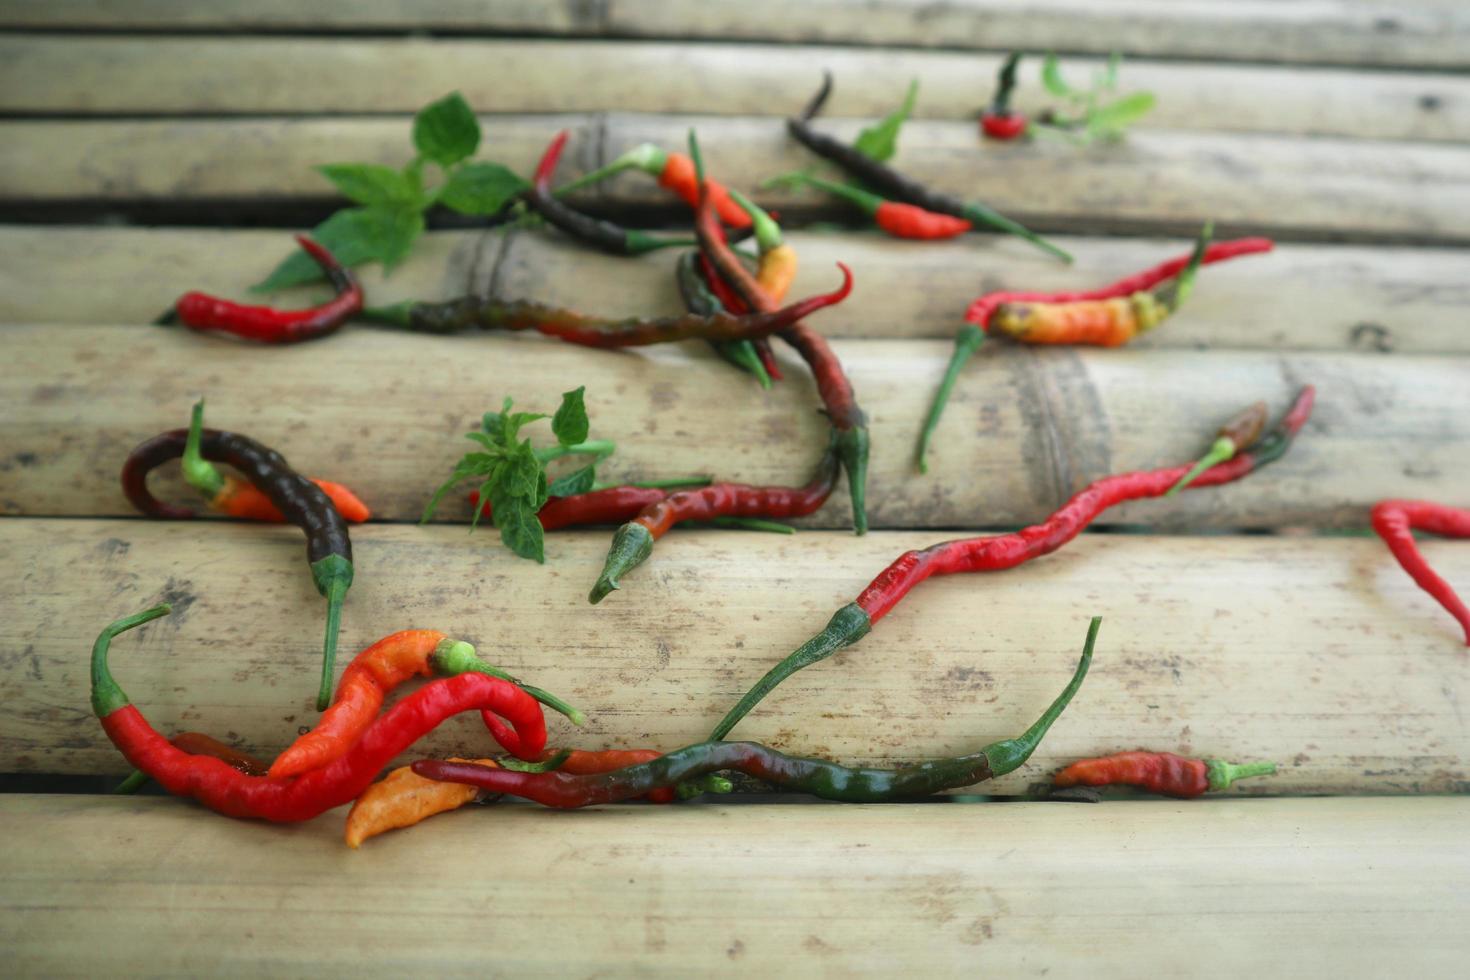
x=1093 y=114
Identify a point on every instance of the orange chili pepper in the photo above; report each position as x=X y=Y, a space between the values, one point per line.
x=402 y=799
x=239 y=498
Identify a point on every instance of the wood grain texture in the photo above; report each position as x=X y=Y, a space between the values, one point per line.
x=99 y=75
x=1417 y=35
x=384 y=412
x=1156 y=179
x=1320 y=654
x=1301 y=297
x=1350 y=887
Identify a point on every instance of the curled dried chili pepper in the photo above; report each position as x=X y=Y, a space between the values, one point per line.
x=301 y=502
x=200 y=311
x=593 y=331
x=674 y=171
x=1160 y=772
x=378 y=670
x=604 y=234
x=1001 y=551
x=818 y=777
x=633 y=542
x=225 y=790
x=898 y=219
x=401 y=799
x=833 y=387
x=1106 y=317
x=1395 y=520
x=999 y=121
x=700 y=299
x=889 y=182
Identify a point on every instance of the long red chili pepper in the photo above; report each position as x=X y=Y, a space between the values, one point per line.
x=200 y=311
x=633 y=542
x=1160 y=772
x=674 y=171
x=226 y=790
x=1001 y=551
x=1395 y=521
x=819 y=777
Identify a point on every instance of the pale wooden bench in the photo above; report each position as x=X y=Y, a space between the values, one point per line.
x=1342 y=128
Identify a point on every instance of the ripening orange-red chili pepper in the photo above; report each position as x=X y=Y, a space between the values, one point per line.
x=1160 y=772
x=898 y=219
x=402 y=799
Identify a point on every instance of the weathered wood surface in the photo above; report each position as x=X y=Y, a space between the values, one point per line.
x=384 y=411
x=1301 y=297
x=1156 y=179
x=1428 y=33
x=100 y=75
x=1350 y=888
x=1318 y=653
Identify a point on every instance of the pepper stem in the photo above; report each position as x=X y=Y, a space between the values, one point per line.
x=966 y=343
x=847 y=625
x=645 y=156
x=1176 y=292
x=397 y=314
x=697 y=157
x=1221 y=773
x=752 y=524
x=708 y=783
x=199 y=473
x=1222 y=450
x=453 y=657
x=980 y=214
x=601 y=448
x=870 y=203
x=545 y=765
x=767 y=232
x=852 y=449
x=1011 y=754
x=631 y=544
x=333 y=577
x=107 y=697
x=132 y=784
x=676 y=481
x=1005 y=84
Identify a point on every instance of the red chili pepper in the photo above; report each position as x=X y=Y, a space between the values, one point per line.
x=1395 y=520
x=1000 y=121
x=200 y=311
x=198 y=743
x=226 y=790
x=674 y=171
x=1001 y=551
x=610 y=505
x=899 y=220
x=1160 y=772
x=633 y=542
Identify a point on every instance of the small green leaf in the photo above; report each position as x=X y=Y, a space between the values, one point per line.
x=521 y=472
x=402 y=229
x=578 y=481
x=374 y=184
x=1051 y=77
x=570 y=424
x=541 y=491
x=520 y=530
x=1110 y=73
x=480 y=188
x=354 y=236
x=1114 y=116
x=446 y=131
x=880 y=141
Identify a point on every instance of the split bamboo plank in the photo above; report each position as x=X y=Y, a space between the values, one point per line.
x=1156 y=179
x=1318 y=653
x=383 y=412
x=1302 y=297
x=97 y=75
x=1348 y=887
x=1415 y=35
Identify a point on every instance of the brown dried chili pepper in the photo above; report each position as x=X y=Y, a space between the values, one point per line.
x=1160 y=772
x=633 y=542
x=1242 y=430
x=603 y=234
x=997 y=552
x=1395 y=520
x=883 y=179
x=200 y=311
x=402 y=799
x=833 y=386
x=818 y=777
x=328 y=546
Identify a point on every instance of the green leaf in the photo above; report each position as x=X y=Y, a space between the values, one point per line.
x=521 y=473
x=570 y=424
x=1051 y=77
x=354 y=236
x=520 y=530
x=446 y=131
x=880 y=142
x=374 y=184
x=480 y=188
x=1113 y=118
x=578 y=481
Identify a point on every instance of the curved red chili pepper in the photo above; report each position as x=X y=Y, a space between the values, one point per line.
x=610 y=505
x=200 y=311
x=1395 y=520
x=1160 y=772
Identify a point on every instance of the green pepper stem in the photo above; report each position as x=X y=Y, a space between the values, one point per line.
x=631 y=544
x=980 y=214
x=696 y=156
x=452 y=657
x=199 y=473
x=767 y=232
x=601 y=448
x=675 y=481
x=1177 y=291
x=1221 y=773
x=333 y=577
x=1011 y=754
x=546 y=765
x=852 y=450
x=132 y=784
x=1222 y=450
x=646 y=157
x=397 y=314
x=863 y=199
x=847 y=625
x=107 y=696
x=966 y=342
x=639 y=242
x=752 y=524
x=708 y=783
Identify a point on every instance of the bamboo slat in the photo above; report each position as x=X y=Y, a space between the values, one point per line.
x=1154 y=180
x=1323 y=31
x=100 y=75
x=1320 y=654
x=1302 y=297
x=384 y=412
